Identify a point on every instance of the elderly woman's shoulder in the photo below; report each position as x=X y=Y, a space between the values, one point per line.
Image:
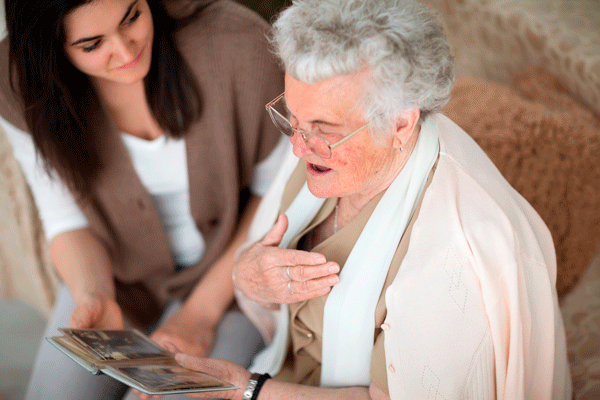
x=227 y=17
x=468 y=184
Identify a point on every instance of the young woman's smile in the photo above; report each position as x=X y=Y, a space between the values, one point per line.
x=131 y=64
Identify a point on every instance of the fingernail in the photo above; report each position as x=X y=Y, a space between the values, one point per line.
x=180 y=357
x=334 y=280
x=334 y=269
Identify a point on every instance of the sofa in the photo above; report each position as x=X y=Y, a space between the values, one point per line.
x=527 y=90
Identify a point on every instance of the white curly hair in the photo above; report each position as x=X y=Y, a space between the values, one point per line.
x=401 y=43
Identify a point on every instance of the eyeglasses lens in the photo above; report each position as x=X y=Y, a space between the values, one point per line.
x=281 y=123
x=317 y=145
x=279 y=114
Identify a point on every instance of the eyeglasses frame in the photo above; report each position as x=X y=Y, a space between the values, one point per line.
x=303 y=133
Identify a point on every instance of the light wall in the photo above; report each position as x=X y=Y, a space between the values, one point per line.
x=2 y=21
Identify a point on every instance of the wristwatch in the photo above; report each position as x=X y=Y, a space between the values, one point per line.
x=254 y=384
x=251 y=386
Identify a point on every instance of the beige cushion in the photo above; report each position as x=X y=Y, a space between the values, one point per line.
x=547 y=145
x=26 y=272
x=496 y=40
x=581 y=312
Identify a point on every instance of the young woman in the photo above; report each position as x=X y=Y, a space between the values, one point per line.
x=140 y=128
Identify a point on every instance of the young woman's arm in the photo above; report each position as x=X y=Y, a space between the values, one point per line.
x=191 y=328
x=84 y=265
x=79 y=257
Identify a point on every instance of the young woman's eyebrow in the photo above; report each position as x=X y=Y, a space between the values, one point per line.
x=128 y=11
x=89 y=39
x=83 y=40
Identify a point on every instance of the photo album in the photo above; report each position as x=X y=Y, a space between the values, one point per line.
x=134 y=359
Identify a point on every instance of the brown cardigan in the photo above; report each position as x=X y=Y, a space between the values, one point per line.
x=226 y=48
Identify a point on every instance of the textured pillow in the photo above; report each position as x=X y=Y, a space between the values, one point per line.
x=581 y=313
x=547 y=145
x=26 y=272
x=498 y=39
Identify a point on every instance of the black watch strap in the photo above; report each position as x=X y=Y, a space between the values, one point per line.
x=259 y=383
x=254 y=384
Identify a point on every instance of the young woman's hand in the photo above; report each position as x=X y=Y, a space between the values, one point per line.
x=187 y=332
x=94 y=311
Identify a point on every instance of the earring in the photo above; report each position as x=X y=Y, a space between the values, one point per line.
x=398 y=141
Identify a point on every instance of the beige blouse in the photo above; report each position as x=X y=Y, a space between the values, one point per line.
x=303 y=362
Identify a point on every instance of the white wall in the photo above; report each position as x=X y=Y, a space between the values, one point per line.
x=2 y=21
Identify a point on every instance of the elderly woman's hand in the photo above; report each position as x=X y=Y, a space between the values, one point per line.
x=273 y=389
x=222 y=369
x=270 y=275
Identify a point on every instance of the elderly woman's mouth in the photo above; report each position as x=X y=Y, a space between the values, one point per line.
x=317 y=169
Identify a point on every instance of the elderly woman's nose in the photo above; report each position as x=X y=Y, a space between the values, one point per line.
x=299 y=147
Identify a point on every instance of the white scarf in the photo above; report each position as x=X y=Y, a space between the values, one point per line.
x=349 y=322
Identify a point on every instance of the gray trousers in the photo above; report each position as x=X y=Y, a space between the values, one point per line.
x=55 y=376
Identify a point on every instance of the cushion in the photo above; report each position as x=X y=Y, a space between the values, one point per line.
x=581 y=313
x=495 y=40
x=26 y=272
x=547 y=145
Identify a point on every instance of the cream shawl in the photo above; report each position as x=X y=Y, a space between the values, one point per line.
x=348 y=318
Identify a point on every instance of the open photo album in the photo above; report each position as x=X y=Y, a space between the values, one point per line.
x=132 y=358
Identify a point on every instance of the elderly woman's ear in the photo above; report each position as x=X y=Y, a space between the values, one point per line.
x=407 y=128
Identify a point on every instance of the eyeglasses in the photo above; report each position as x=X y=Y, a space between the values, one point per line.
x=315 y=143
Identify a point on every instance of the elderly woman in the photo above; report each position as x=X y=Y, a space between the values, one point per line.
x=446 y=274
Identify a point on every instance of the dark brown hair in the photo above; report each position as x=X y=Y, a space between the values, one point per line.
x=58 y=99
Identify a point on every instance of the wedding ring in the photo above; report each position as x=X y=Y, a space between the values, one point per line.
x=290 y=287
x=287 y=273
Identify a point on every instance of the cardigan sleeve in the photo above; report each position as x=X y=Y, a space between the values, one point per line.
x=473 y=311
x=258 y=79
x=227 y=47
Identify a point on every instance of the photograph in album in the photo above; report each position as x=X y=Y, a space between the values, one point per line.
x=132 y=358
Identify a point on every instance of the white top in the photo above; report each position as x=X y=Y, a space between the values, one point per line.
x=161 y=165
x=472 y=312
